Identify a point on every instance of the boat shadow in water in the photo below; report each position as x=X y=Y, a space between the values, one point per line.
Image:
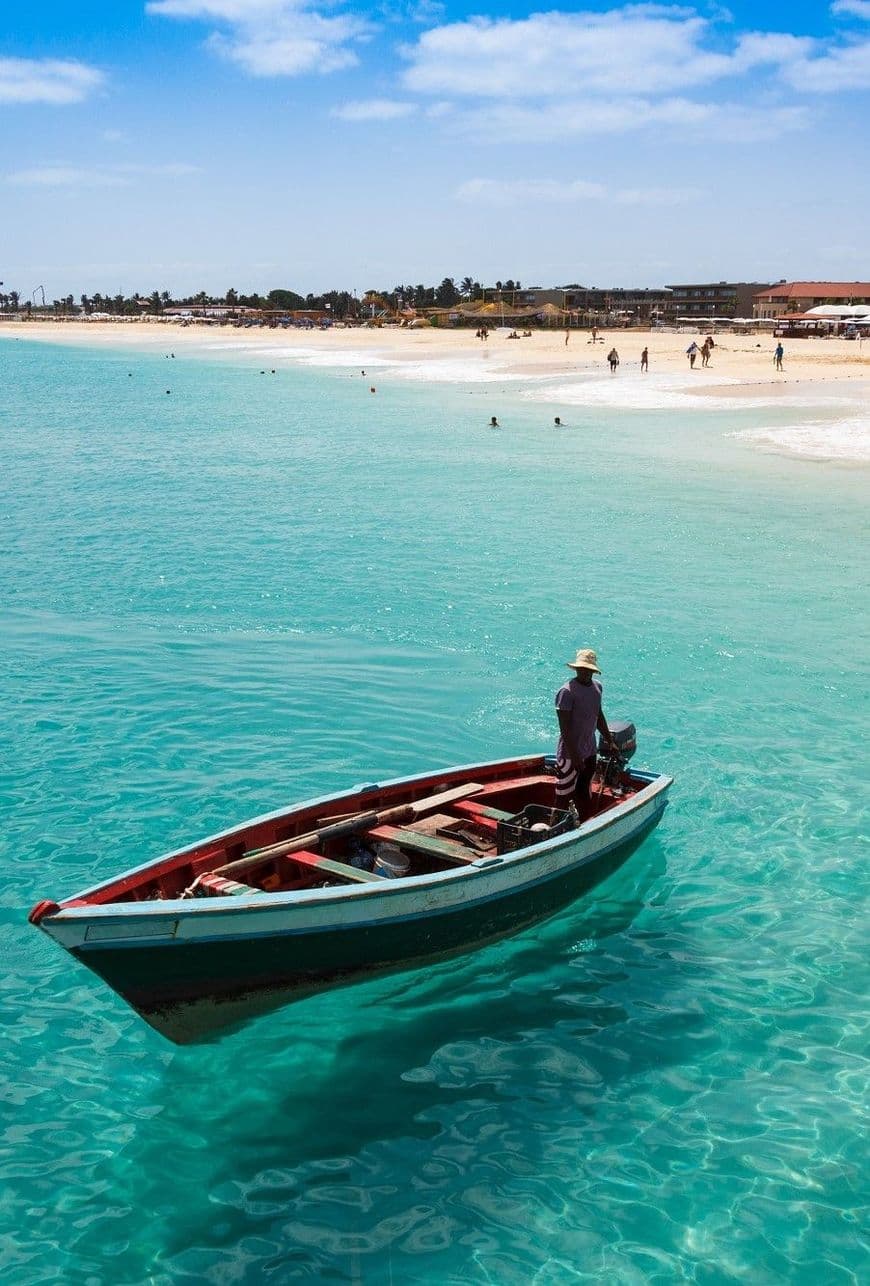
x=544 y=1022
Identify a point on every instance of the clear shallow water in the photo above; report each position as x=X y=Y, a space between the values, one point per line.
x=257 y=588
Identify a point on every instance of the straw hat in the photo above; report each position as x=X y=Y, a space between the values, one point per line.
x=584 y=660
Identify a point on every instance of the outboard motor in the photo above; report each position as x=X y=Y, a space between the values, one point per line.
x=611 y=766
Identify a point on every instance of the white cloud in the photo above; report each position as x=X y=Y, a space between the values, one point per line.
x=374 y=109
x=67 y=176
x=47 y=80
x=841 y=68
x=773 y=49
x=521 y=191
x=506 y=192
x=576 y=118
x=562 y=75
x=105 y=176
x=228 y=10
x=170 y=170
x=660 y=197
x=273 y=37
x=637 y=50
x=557 y=74
x=853 y=8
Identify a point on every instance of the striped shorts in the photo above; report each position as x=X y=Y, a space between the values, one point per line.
x=567 y=777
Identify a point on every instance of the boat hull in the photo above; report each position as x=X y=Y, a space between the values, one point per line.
x=193 y=968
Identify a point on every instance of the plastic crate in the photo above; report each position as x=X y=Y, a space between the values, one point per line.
x=517 y=831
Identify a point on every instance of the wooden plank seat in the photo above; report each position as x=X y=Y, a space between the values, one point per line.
x=514 y=783
x=326 y=866
x=482 y=813
x=216 y=886
x=430 y=845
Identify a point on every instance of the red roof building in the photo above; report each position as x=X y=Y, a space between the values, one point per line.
x=800 y=296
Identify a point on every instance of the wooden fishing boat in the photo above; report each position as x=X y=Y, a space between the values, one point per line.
x=380 y=878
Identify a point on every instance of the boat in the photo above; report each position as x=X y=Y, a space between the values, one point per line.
x=380 y=878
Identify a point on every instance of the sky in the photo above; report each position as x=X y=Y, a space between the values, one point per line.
x=189 y=145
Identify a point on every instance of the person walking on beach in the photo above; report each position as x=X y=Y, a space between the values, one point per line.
x=692 y=353
x=567 y=336
x=578 y=708
x=613 y=358
x=644 y=360
x=706 y=349
x=778 y=354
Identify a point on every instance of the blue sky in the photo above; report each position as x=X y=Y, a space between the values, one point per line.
x=200 y=144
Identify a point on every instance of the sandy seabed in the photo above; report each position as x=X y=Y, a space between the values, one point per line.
x=829 y=378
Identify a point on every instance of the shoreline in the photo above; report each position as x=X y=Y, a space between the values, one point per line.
x=827 y=381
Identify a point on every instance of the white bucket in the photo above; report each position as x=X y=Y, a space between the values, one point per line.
x=391 y=862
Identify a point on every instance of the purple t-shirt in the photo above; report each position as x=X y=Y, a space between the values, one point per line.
x=583 y=702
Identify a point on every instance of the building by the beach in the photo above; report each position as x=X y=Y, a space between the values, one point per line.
x=795 y=298
x=589 y=305
x=712 y=299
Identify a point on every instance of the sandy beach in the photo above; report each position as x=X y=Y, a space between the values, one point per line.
x=826 y=379
x=736 y=360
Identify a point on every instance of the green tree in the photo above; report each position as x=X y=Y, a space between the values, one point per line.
x=287 y=299
x=447 y=295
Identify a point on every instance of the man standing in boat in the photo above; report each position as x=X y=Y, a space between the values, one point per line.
x=578 y=705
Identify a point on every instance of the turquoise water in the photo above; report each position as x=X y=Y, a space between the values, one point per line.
x=257 y=588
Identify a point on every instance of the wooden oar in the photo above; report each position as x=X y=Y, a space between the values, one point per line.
x=430 y=804
x=347 y=826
